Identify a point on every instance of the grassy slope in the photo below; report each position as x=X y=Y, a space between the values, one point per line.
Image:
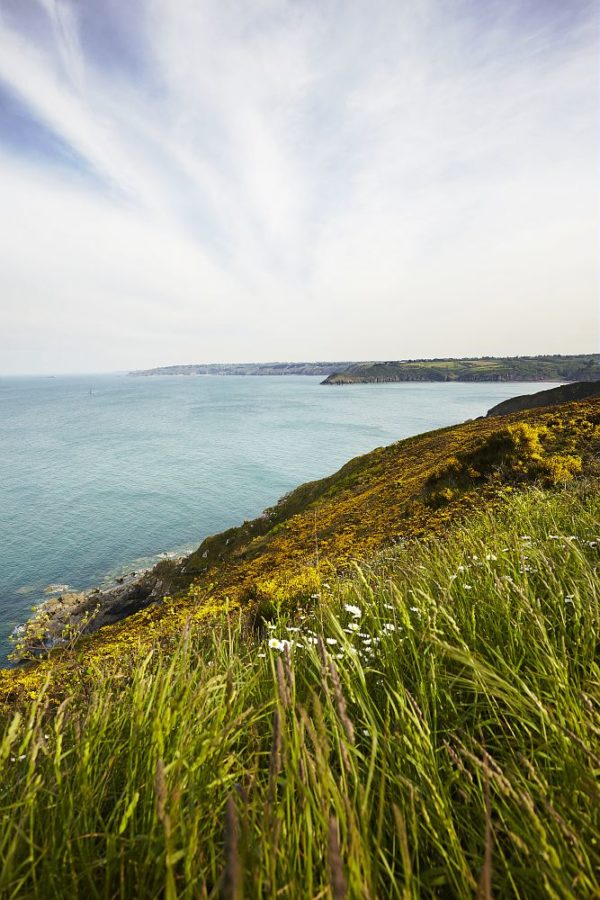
x=439 y=735
x=578 y=390
x=414 y=489
x=523 y=368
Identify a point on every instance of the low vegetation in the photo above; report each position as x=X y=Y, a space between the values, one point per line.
x=425 y=725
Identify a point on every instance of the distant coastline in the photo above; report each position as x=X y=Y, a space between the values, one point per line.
x=319 y=369
x=557 y=367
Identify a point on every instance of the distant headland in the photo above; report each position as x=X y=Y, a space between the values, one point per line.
x=582 y=367
x=585 y=367
x=321 y=369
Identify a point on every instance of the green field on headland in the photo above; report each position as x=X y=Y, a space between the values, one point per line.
x=487 y=368
x=387 y=686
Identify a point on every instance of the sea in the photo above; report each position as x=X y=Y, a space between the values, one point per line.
x=102 y=475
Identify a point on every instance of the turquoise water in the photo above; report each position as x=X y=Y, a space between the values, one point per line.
x=100 y=474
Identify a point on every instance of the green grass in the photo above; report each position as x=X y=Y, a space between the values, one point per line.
x=583 y=367
x=443 y=742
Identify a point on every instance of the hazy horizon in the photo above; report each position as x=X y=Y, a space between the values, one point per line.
x=265 y=362
x=186 y=180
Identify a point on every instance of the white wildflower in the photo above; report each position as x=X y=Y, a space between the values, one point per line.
x=276 y=644
x=389 y=626
x=331 y=640
x=353 y=610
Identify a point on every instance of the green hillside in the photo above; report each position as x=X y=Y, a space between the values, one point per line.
x=580 y=390
x=387 y=686
x=517 y=368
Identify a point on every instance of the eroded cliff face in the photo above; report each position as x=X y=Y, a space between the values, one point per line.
x=63 y=619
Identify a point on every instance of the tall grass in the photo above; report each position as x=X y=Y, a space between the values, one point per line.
x=429 y=729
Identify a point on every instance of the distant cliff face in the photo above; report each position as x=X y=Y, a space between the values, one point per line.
x=517 y=368
x=487 y=368
x=277 y=368
x=579 y=391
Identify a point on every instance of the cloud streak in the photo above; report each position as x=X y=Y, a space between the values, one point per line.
x=296 y=181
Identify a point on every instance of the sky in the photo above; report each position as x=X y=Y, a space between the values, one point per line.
x=222 y=181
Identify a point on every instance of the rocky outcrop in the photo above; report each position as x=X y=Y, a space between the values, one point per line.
x=62 y=619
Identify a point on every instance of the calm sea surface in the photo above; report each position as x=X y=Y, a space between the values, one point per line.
x=101 y=474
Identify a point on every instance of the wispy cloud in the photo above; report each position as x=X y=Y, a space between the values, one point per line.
x=301 y=180
x=64 y=26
